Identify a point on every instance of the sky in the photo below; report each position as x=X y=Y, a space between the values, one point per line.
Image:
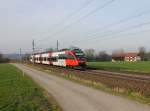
x=98 y=24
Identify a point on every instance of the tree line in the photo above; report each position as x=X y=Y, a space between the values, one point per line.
x=91 y=54
x=3 y=59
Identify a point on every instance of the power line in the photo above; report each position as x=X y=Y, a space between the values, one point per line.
x=75 y=12
x=57 y=45
x=33 y=51
x=33 y=46
x=20 y=55
x=126 y=34
x=80 y=19
x=120 y=22
x=120 y=31
x=110 y=25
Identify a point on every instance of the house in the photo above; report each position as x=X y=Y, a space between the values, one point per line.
x=130 y=57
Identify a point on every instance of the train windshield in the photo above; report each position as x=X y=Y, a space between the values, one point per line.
x=79 y=53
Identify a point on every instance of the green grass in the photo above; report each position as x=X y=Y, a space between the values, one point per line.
x=20 y=93
x=121 y=66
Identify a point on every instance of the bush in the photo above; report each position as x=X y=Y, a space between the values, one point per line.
x=3 y=60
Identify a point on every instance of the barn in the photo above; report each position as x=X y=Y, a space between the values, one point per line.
x=129 y=57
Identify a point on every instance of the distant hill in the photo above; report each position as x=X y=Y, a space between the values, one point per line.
x=13 y=56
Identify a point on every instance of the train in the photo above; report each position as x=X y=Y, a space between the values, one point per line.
x=72 y=57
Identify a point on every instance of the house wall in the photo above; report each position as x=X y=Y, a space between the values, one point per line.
x=132 y=59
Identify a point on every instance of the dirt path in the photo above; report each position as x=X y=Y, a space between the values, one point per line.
x=75 y=97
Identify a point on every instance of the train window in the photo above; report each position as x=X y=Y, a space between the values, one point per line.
x=62 y=56
x=65 y=56
x=70 y=56
x=54 y=59
x=40 y=58
x=44 y=58
x=49 y=59
x=77 y=51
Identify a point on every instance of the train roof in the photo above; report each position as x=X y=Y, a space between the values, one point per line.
x=65 y=49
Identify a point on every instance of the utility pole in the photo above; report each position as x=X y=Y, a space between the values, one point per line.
x=20 y=55
x=57 y=45
x=33 y=49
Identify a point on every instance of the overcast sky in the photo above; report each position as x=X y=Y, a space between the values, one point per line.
x=98 y=24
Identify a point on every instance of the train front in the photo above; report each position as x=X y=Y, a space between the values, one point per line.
x=80 y=57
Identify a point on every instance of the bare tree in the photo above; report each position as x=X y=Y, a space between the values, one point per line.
x=26 y=57
x=118 y=52
x=118 y=55
x=1 y=57
x=103 y=56
x=90 y=53
x=148 y=56
x=142 y=53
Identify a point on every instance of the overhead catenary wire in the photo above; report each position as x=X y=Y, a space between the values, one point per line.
x=90 y=36
x=79 y=20
x=75 y=12
x=126 y=34
x=63 y=21
x=117 y=23
x=118 y=32
x=108 y=33
x=122 y=21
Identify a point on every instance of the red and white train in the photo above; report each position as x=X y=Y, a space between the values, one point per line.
x=65 y=58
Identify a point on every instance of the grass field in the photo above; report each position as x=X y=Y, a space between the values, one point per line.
x=20 y=93
x=122 y=66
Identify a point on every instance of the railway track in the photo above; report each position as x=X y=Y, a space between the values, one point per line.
x=116 y=80
x=124 y=76
x=109 y=74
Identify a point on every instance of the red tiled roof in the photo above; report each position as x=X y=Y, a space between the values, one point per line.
x=131 y=54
